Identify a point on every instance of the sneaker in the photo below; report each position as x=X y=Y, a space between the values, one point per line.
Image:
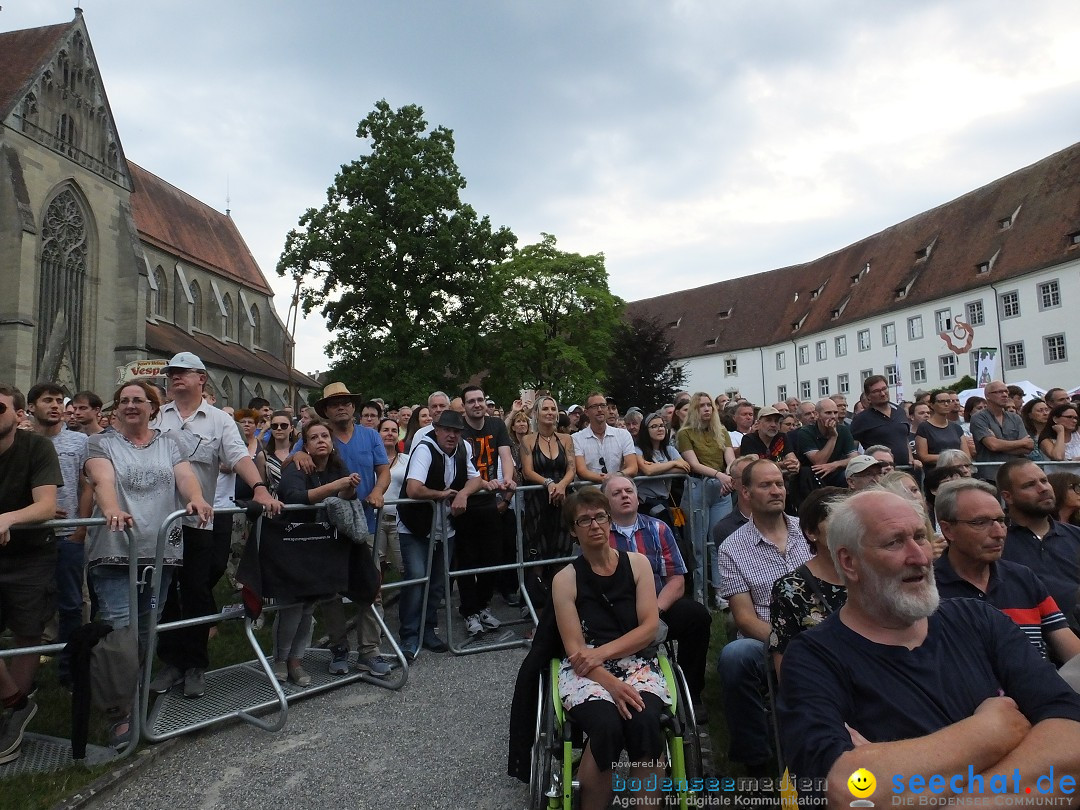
x=513 y=599
x=473 y=626
x=373 y=664
x=410 y=655
x=299 y=676
x=488 y=620
x=195 y=683
x=281 y=671
x=339 y=665
x=166 y=679
x=720 y=602
x=434 y=643
x=11 y=733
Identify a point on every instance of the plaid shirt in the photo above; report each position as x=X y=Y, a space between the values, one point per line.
x=749 y=563
x=652 y=538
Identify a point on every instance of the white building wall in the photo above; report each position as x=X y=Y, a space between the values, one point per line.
x=1029 y=330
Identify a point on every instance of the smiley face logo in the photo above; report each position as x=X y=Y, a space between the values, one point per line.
x=861 y=783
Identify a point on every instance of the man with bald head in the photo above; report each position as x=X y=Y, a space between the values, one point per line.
x=900 y=683
x=824 y=447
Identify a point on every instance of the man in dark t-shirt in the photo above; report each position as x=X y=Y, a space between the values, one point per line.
x=479 y=529
x=900 y=685
x=29 y=478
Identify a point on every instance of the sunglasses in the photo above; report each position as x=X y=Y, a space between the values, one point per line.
x=279 y=426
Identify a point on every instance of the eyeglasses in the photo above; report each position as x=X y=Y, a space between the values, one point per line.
x=983 y=522
x=133 y=401
x=1067 y=416
x=596 y=405
x=1074 y=487
x=279 y=426
x=586 y=522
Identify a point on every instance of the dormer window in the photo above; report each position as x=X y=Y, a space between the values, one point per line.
x=1005 y=224
x=674 y=324
x=982 y=268
x=712 y=341
x=923 y=254
x=724 y=313
x=1074 y=239
x=817 y=293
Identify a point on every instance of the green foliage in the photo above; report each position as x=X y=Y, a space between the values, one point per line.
x=404 y=271
x=559 y=321
x=641 y=371
x=965 y=383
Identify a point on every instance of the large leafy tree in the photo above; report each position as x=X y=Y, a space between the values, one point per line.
x=641 y=371
x=558 y=324
x=406 y=274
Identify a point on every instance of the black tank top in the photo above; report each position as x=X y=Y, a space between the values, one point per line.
x=607 y=606
x=553 y=468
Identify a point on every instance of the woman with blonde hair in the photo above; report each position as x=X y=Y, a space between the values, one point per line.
x=706 y=446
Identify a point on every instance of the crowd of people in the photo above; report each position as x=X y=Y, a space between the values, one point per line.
x=761 y=488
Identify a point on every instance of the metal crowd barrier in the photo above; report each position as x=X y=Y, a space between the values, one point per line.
x=134 y=581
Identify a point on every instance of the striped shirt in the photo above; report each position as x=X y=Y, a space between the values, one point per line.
x=750 y=563
x=1013 y=589
x=653 y=539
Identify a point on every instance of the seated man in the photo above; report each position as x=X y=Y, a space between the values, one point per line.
x=688 y=621
x=973 y=522
x=900 y=686
x=769 y=546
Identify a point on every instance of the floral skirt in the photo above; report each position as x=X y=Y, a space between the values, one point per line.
x=641 y=673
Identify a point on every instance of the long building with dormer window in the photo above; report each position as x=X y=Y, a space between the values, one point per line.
x=103 y=263
x=997 y=268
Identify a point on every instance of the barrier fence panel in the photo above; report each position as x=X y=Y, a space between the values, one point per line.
x=47 y=754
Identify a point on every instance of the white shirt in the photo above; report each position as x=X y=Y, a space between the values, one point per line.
x=420 y=465
x=612 y=447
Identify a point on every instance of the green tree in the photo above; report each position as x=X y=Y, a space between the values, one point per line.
x=641 y=371
x=406 y=274
x=558 y=324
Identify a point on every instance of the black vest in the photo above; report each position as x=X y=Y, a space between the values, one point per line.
x=417 y=516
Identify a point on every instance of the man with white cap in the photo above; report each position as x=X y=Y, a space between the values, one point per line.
x=208 y=438
x=863 y=472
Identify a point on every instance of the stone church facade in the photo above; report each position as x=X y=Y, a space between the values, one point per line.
x=102 y=263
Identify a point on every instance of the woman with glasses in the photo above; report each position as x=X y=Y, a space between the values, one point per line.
x=938 y=433
x=656 y=456
x=277 y=448
x=609 y=682
x=547 y=459
x=1067 y=495
x=139 y=477
x=1059 y=440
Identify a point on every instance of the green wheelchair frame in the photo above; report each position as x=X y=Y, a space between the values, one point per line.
x=551 y=778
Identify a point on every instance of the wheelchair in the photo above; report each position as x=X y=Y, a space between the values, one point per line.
x=551 y=776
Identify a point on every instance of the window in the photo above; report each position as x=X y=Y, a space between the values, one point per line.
x=1009 y=303
x=943 y=320
x=892 y=375
x=1014 y=355
x=1049 y=295
x=804 y=355
x=1054 y=349
x=804 y=389
x=843 y=386
x=947 y=366
x=975 y=314
x=918 y=371
x=196 y=309
x=822 y=350
x=864 y=340
x=781 y=393
x=781 y=360
x=731 y=366
x=159 y=299
x=228 y=324
x=914 y=327
x=841 y=346
x=974 y=356
x=888 y=334
x=823 y=386
x=256 y=328
x=865 y=374
x=1074 y=238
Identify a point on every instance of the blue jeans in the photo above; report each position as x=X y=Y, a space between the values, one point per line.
x=111 y=584
x=742 y=676
x=70 y=565
x=707 y=507
x=414 y=558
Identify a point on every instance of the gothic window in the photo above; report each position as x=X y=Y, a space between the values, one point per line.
x=256 y=330
x=161 y=297
x=64 y=64
x=196 y=309
x=29 y=112
x=259 y=391
x=63 y=279
x=65 y=129
x=227 y=302
x=227 y=392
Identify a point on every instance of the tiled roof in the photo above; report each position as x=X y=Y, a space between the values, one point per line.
x=166 y=340
x=23 y=54
x=1041 y=204
x=176 y=222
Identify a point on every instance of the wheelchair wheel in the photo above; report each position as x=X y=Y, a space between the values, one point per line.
x=684 y=710
x=544 y=764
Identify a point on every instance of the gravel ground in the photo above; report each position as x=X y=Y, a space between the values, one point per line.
x=438 y=743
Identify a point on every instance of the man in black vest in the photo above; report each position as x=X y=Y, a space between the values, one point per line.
x=440 y=471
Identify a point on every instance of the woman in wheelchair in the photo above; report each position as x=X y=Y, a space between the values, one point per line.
x=610 y=683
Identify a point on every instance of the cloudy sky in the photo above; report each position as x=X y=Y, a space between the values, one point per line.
x=688 y=141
